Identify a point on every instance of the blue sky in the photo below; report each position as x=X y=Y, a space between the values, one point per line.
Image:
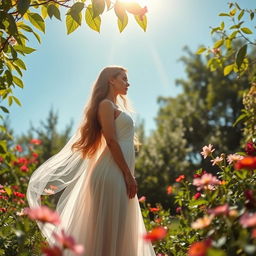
x=60 y=73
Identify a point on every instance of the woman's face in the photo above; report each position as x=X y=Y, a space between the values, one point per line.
x=120 y=83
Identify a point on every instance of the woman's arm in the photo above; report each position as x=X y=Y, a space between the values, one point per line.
x=107 y=121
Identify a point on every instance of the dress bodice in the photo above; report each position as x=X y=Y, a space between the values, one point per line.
x=124 y=127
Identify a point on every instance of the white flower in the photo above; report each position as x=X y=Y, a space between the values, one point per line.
x=49 y=191
x=217 y=160
x=207 y=150
x=233 y=158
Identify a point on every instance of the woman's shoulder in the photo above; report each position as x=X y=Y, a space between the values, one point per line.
x=106 y=103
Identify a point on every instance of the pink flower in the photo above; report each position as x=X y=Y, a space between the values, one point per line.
x=24 y=168
x=250 y=148
x=202 y=222
x=233 y=158
x=178 y=210
x=248 y=220
x=197 y=195
x=155 y=234
x=19 y=148
x=142 y=199
x=207 y=150
x=217 y=160
x=43 y=214
x=219 y=210
x=49 y=191
x=206 y=181
x=68 y=242
x=52 y=251
x=154 y=209
x=35 y=141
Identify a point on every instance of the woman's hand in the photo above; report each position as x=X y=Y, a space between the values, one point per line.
x=131 y=185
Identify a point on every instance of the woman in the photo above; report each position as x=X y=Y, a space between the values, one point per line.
x=99 y=206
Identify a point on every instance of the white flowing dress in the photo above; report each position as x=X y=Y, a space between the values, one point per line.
x=105 y=221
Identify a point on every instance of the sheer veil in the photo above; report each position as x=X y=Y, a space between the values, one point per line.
x=62 y=170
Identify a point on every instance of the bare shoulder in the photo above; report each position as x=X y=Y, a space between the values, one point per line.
x=106 y=110
x=106 y=103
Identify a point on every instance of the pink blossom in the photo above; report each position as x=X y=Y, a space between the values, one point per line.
x=202 y=222
x=248 y=220
x=233 y=158
x=142 y=199
x=197 y=195
x=219 y=210
x=35 y=141
x=43 y=214
x=49 y=191
x=207 y=150
x=68 y=242
x=206 y=181
x=24 y=168
x=52 y=251
x=19 y=148
x=217 y=160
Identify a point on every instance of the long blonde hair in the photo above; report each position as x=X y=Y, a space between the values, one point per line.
x=90 y=129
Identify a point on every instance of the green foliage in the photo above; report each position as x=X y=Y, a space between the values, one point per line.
x=19 y=18
x=203 y=113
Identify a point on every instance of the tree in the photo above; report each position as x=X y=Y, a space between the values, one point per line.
x=47 y=133
x=231 y=58
x=203 y=113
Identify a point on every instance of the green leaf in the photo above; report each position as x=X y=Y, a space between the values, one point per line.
x=198 y=202
x=222 y=25
x=4 y=109
x=228 y=69
x=23 y=49
x=241 y=53
x=228 y=43
x=75 y=12
x=201 y=50
x=9 y=100
x=224 y=14
x=142 y=22
x=16 y=100
x=241 y=14
x=12 y=28
x=233 y=35
x=233 y=12
x=242 y=117
x=20 y=64
x=18 y=81
x=219 y=43
x=98 y=7
x=53 y=10
x=37 y=37
x=71 y=24
x=8 y=190
x=92 y=23
x=44 y=11
x=246 y=30
x=215 y=252
x=22 y=6
x=122 y=23
x=37 y=21
x=252 y=15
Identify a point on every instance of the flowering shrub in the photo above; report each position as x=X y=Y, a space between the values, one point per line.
x=216 y=213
